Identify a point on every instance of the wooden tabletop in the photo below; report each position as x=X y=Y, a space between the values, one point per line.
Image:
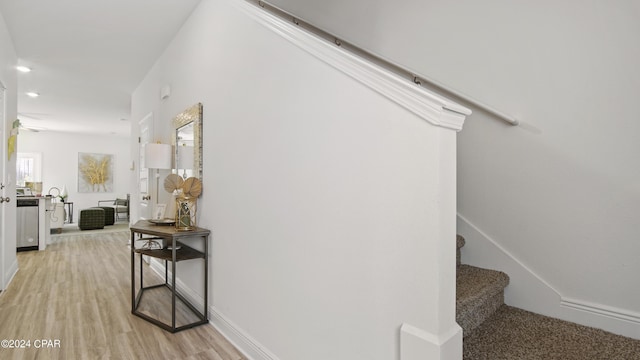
x=146 y=227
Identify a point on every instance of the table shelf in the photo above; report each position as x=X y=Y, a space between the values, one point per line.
x=184 y=253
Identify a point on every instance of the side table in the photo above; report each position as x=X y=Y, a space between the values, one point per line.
x=69 y=206
x=168 y=236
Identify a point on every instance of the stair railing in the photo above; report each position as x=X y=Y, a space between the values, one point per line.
x=396 y=69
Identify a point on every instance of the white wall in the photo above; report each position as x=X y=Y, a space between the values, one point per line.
x=8 y=61
x=60 y=163
x=332 y=207
x=560 y=192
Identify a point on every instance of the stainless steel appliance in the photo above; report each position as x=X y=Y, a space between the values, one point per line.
x=27 y=229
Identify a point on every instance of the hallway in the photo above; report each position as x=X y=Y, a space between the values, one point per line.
x=78 y=292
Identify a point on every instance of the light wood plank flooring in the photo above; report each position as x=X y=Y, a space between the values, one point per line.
x=78 y=292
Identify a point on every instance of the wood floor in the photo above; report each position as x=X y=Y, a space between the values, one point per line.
x=78 y=291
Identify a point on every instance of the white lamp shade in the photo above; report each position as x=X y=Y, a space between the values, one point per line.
x=157 y=156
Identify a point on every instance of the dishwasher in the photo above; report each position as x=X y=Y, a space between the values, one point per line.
x=27 y=229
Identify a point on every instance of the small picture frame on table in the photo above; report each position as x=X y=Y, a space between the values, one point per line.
x=158 y=211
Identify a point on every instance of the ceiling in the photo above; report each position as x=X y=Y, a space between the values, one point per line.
x=87 y=57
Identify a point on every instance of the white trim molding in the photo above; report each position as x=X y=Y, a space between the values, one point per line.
x=601 y=310
x=506 y=252
x=235 y=335
x=418 y=344
x=11 y=273
x=434 y=108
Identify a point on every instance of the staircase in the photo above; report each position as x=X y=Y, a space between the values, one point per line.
x=479 y=292
x=512 y=333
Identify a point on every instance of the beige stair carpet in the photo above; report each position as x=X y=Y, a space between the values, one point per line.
x=479 y=293
x=517 y=334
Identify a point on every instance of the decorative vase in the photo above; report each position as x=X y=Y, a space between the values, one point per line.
x=185 y=213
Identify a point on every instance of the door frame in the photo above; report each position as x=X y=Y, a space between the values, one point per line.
x=144 y=183
x=8 y=259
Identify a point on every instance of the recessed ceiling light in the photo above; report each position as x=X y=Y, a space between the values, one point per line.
x=23 y=69
x=33 y=94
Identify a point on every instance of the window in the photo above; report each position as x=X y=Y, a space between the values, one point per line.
x=28 y=167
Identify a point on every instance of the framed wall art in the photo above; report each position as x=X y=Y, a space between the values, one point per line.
x=95 y=173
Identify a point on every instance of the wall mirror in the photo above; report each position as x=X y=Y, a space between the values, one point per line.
x=188 y=142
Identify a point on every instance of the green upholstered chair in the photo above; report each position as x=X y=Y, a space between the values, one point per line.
x=122 y=208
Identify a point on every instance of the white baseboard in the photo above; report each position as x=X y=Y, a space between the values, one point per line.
x=526 y=290
x=234 y=334
x=607 y=311
x=529 y=291
x=612 y=319
x=11 y=273
x=241 y=340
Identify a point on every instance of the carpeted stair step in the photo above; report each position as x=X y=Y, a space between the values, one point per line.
x=479 y=293
x=459 y=244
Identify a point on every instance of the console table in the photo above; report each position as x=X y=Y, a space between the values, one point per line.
x=167 y=237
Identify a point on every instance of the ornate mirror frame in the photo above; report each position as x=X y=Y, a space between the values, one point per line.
x=191 y=116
